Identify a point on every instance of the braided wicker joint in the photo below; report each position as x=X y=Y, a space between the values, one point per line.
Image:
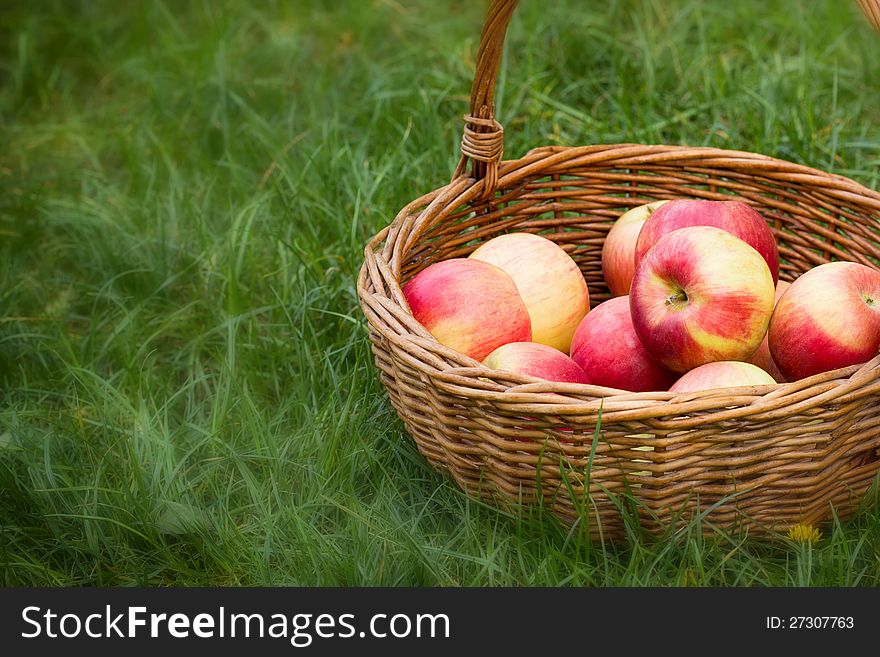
x=482 y=141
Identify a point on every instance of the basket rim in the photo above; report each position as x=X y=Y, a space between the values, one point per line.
x=458 y=373
x=513 y=170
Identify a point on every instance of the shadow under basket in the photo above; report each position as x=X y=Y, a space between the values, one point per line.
x=758 y=459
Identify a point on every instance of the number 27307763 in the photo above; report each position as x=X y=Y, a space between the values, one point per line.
x=810 y=622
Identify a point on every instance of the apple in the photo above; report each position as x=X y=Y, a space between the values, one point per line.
x=468 y=305
x=537 y=360
x=701 y=295
x=733 y=216
x=762 y=357
x=829 y=318
x=618 y=251
x=549 y=282
x=606 y=346
x=722 y=374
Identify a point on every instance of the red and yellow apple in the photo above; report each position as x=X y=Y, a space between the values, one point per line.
x=606 y=346
x=537 y=360
x=700 y=295
x=468 y=305
x=722 y=374
x=733 y=216
x=762 y=357
x=829 y=318
x=551 y=285
x=618 y=250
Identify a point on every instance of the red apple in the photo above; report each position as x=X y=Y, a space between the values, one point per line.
x=606 y=346
x=733 y=216
x=829 y=318
x=618 y=251
x=536 y=360
x=722 y=374
x=468 y=305
x=762 y=357
x=701 y=295
x=549 y=282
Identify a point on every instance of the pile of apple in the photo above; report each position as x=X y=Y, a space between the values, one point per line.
x=697 y=304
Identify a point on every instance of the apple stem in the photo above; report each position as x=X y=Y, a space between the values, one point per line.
x=679 y=296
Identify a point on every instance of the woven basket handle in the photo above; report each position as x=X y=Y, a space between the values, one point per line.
x=483 y=140
x=872 y=11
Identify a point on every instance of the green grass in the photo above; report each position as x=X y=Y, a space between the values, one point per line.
x=188 y=395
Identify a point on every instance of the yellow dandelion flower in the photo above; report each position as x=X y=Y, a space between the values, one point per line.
x=804 y=533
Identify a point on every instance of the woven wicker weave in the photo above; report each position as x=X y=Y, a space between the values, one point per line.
x=754 y=458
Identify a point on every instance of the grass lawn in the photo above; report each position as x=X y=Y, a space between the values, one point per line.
x=187 y=395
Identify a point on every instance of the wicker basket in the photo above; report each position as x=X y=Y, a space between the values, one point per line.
x=755 y=458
